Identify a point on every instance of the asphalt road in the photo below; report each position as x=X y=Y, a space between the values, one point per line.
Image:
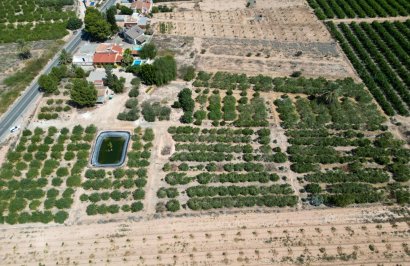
x=32 y=93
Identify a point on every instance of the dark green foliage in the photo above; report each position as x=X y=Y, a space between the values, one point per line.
x=137 y=206
x=240 y=202
x=113 y=82
x=401 y=172
x=74 y=23
x=74 y=181
x=148 y=51
x=60 y=217
x=173 y=205
x=138 y=194
x=83 y=93
x=96 y=25
x=48 y=83
x=162 y=71
x=110 y=15
x=151 y=111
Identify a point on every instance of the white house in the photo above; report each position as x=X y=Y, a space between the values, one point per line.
x=84 y=55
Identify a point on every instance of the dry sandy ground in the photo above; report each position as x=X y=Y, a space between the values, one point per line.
x=326 y=237
x=274 y=37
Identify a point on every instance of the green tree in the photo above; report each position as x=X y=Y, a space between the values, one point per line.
x=74 y=23
x=185 y=100
x=148 y=112
x=60 y=217
x=65 y=58
x=149 y=50
x=95 y=25
x=48 y=83
x=147 y=74
x=165 y=70
x=113 y=82
x=173 y=205
x=83 y=93
x=111 y=12
x=137 y=206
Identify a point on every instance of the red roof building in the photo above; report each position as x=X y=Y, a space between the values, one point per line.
x=107 y=58
x=108 y=53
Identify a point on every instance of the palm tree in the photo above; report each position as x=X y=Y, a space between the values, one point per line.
x=23 y=49
x=330 y=96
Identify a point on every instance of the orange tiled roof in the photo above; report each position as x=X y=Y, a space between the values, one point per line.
x=103 y=58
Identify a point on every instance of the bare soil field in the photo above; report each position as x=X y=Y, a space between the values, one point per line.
x=9 y=61
x=274 y=37
x=328 y=237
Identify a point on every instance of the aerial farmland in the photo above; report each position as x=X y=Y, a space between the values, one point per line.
x=205 y=133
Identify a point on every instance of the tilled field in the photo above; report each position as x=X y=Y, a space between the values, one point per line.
x=326 y=237
x=276 y=39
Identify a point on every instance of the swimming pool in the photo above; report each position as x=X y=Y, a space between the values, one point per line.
x=137 y=62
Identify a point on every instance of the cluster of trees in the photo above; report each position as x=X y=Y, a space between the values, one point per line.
x=212 y=138
x=220 y=147
x=205 y=191
x=34 y=217
x=351 y=9
x=107 y=183
x=132 y=112
x=261 y=177
x=229 y=107
x=380 y=60
x=201 y=156
x=367 y=175
x=214 y=108
x=162 y=71
x=96 y=25
x=36 y=20
x=167 y=193
x=153 y=111
x=374 y=75
x=253 y=114
x=74 y=23
x=148 y=51
x=241 y=202
x=83 y=93
x=187 y=104
x=211 y=131
x=49 y=82
x=113 y=82
x=221 y=80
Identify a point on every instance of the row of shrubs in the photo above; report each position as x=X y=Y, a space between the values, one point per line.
x=205 y=191
x=207 y=203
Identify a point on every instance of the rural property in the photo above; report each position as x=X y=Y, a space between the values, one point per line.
x=205 y=132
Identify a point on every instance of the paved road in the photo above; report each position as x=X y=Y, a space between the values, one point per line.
x=32 y=93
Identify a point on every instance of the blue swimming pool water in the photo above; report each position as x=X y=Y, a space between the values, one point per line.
x=137 y=62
